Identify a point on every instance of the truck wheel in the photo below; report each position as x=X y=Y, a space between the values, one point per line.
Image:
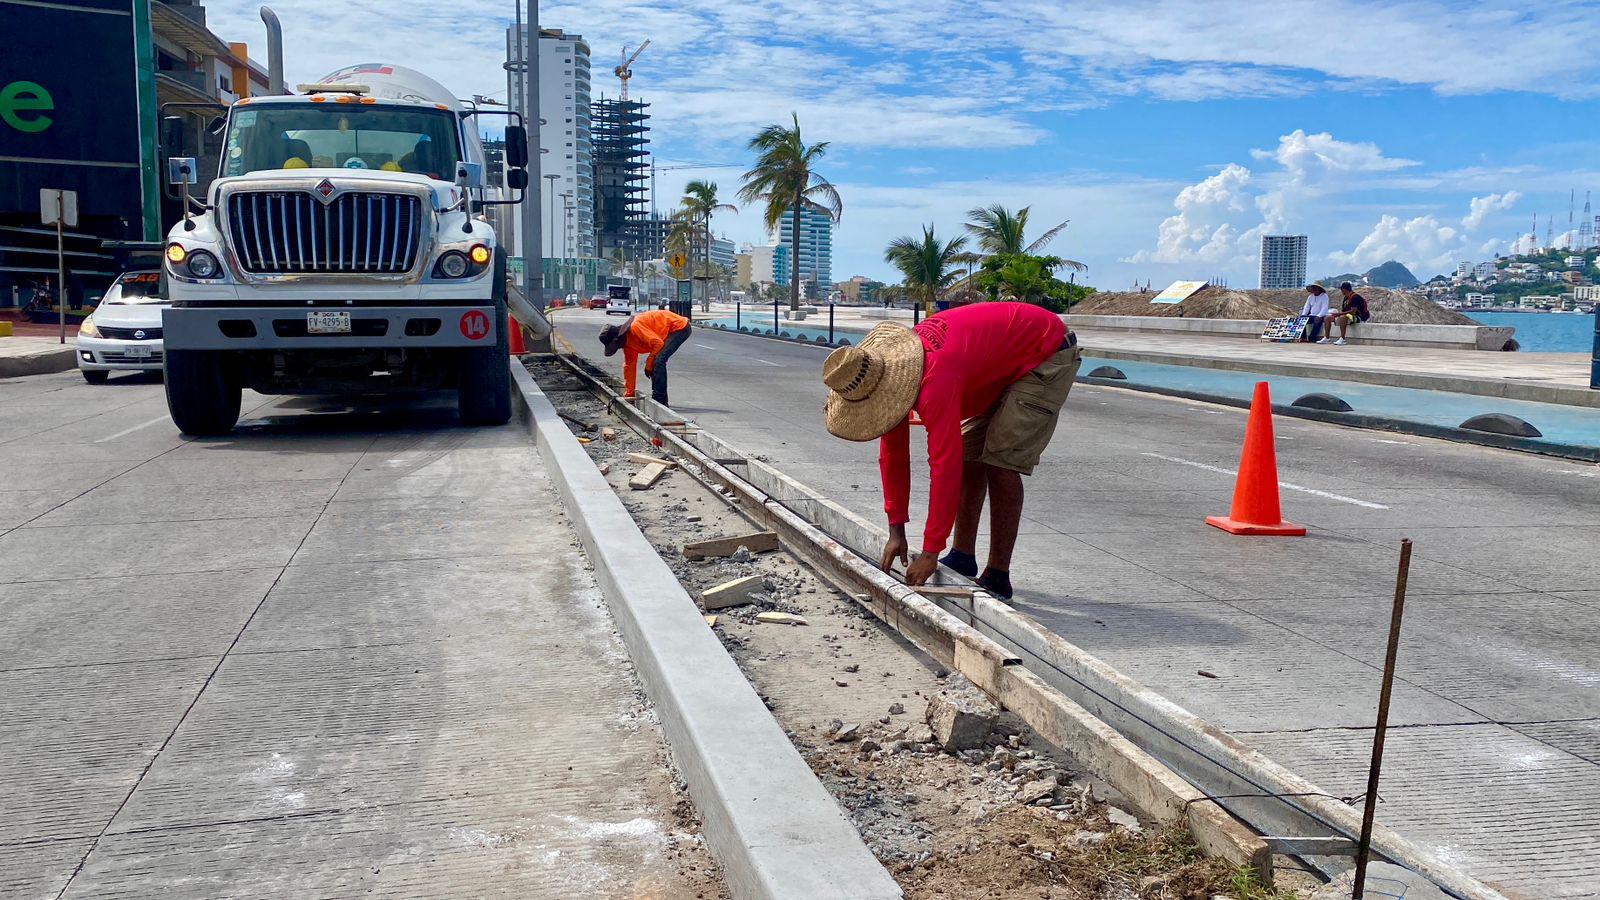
x=483 y=391
x=201 y=397
x=95 y=376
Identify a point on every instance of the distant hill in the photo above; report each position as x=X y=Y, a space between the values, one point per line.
x=1392 y=274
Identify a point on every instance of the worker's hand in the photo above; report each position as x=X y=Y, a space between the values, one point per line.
x=894 y=548
x=921 y=568
x=649 y=370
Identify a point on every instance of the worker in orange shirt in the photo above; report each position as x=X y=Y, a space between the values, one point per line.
x=658 y=333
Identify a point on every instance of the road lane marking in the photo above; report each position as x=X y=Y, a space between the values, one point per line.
x=1283 y=484
x=127 y=431
x=769 y=363
x=706 y=346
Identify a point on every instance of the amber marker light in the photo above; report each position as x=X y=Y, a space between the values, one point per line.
x=479 y=253
x=176 y=254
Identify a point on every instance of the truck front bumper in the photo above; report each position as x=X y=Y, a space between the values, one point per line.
x=284 y=327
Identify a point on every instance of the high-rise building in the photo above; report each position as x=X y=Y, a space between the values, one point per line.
x=620 y=174
x=566 y=202
x=1283 y=260
x=769 y=264
x=815 y=262
x=721 y=252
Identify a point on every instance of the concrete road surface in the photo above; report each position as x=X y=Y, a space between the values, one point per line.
x=351 y=650
x=1495 y=761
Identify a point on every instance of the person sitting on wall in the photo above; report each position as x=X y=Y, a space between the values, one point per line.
x=1353 y=310
x=1315 y=311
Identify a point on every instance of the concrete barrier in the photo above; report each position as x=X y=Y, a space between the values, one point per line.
x=768 y=821
x=1444 y=337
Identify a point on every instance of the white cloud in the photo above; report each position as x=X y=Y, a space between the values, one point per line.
x=1205 y=228
x=1423 y=243
x=1482 y=207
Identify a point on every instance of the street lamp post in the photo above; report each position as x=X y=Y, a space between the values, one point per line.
x=551 y=205
x=522 y=67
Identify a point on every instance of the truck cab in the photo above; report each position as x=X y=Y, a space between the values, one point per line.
x=341 y=249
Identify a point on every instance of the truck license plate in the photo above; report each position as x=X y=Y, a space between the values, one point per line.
x=137 y=352
x=327 y=323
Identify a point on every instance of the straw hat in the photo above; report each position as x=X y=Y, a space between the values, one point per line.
x=873 y=385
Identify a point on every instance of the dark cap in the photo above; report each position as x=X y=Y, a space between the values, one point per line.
x=612 y=338
x=1346 y=286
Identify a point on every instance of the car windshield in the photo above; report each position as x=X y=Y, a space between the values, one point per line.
x=342 y=135
x=139 y=287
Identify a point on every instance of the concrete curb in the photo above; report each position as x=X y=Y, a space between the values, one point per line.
x=767 y=819
x=39 y=362
x=1376 y=423
x=1482 y=387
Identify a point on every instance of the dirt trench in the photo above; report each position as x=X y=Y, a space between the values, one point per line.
x=1006 y=816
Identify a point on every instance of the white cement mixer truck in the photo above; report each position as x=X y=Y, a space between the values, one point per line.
x=342 y=248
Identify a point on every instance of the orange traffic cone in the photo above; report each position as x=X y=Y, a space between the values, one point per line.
x=517 y=347
x=1255 y=494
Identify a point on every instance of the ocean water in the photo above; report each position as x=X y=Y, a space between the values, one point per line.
x=1545 y=332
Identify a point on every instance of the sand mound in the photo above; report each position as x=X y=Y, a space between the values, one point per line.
x=1395 y=307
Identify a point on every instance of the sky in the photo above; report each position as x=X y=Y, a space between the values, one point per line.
x=1170 y=136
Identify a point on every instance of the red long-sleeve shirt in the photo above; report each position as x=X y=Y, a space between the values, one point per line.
x=646 y=335
x=973 y=353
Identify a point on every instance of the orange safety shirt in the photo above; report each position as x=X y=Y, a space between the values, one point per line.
x=648 y=334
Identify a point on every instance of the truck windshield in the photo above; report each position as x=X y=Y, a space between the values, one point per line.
x=344 y=135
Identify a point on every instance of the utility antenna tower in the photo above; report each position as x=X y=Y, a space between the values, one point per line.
x=1586 y=229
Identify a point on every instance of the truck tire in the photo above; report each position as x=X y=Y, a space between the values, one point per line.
x=483 y=390
x=202 y=396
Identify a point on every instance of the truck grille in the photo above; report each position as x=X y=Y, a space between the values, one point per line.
x=293 y=233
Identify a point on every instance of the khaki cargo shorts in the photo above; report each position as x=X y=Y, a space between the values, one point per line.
x=1015 y=432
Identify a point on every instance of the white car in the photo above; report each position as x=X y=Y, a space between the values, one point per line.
x=124 y=331
x=619 y=306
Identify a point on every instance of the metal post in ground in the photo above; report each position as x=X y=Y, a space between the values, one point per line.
x=1594 y=362
x=916 y=314
x=61 y=274
x=738 y=313
x=774 y=318
x=830 y=323
x=1369 y=809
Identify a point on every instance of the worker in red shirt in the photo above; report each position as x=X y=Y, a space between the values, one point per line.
x=658 y=333
x=988 y=380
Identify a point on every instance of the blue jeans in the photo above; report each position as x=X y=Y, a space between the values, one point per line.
x=658 y=374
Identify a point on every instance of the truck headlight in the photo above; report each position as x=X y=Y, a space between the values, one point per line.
x=176 y=253
x=87 y=329
x=454 y=264
x=203 y=265
x=480 y=254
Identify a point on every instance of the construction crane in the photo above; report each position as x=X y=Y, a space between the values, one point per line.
x=624 y=71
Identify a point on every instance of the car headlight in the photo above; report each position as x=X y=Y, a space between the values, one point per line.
x=87 y=329
x=203 y=265
x=454 y=264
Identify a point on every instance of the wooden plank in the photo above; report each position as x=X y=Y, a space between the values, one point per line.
x=645 y=459
x=647 y=476
x=946 y=590
x=755 y=542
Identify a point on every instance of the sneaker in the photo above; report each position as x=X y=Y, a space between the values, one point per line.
x=1339 y=342
x=1325 y=341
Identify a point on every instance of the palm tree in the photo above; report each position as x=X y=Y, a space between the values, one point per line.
x=968 y=261
x=700 y=204
x=784 y=180
x=1000 y=231
x=925 y=263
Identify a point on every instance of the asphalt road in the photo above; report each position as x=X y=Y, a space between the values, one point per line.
x=350 y=650
x=1494 y=762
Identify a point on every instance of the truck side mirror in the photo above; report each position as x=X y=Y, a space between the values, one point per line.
x=216 y=125
x=172 y=135
x=517 y=179
x=516 y=146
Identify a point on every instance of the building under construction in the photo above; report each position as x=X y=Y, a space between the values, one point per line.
x=620 y=135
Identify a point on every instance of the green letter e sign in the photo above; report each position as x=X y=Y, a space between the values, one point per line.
x=19 y=100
